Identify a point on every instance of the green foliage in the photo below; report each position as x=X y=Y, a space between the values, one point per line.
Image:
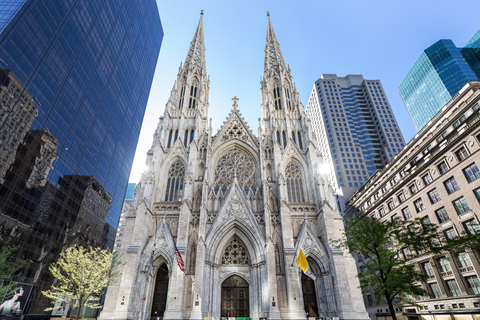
x=9 y=266
x=81 y=276
x=386 y=248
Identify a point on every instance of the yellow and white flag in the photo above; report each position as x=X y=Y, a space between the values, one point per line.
x=303 y=264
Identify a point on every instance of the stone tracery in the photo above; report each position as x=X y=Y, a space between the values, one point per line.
x=235 y=253
x=235 y=163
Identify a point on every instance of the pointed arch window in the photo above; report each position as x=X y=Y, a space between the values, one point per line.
x=289 y=101
x=276 y=98
x=170 y=139
x=193 y=96
x=278 y=138
x=182 y=95
x=176 y=174
x=300 y=144
x=293 y=137
x=235 y=253
x=192 y=134
x=284 y=136
x=293 y=175
x=185 y=139
x=176 y=136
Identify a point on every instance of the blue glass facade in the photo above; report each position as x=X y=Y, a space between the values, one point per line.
x=471 y=53
x=83 y=69
x=8 y=10
x=438 y=74
x=130 y=193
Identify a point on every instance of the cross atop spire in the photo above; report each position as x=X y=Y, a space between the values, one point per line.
x=235 y=105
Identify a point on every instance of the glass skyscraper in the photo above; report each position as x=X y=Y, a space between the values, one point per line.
x=437 y=75
x=74 y=83
x=8 y=9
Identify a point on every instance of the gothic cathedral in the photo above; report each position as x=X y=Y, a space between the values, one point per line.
x=238 y=207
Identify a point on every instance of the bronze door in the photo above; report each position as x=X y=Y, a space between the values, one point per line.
x=309 y=296
x=160 y=292
x=235 y=302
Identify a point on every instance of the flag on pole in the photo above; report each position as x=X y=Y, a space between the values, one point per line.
x=181 y=265
x=303 y=264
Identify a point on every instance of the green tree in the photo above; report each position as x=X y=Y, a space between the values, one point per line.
x=386 y=248
x=9 y=266
x=81 y=276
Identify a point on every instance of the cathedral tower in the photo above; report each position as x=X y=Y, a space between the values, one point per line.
x=237 y=207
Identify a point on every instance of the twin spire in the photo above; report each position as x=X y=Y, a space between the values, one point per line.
x=196 y=53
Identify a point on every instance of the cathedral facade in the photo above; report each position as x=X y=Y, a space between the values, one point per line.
x=238 y=207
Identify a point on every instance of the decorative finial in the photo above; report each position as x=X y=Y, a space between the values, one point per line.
x=235 y=105
x=201 y=12
x=268 y=13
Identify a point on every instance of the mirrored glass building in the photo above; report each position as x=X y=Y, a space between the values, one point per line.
x=437 y=75
x=75 y=77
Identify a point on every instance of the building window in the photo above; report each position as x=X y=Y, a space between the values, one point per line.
x=435 y=290
x=174 y=190
x=477 y=193
x=427 y=179
x=471 y=172
x=276 y=98
x=461 y=205
x=419 y=205
x=453 y=287
x=294 y=179
x=427 y=267
x=381 y=211
x=442 y=215
x=284 y=136
x=471 y=226
x=443 y=264
x=442 y=167
x=391 y=206
x=278 y=138
x=182 y=94
x=474 y=284
x=434 y=196
x=451 y=185
x=413 y=188
x=401 y=197
x=450 y=233
x=193 y=96
x=300 y=143
x=461 y=154
x=370 y=300
x=463 y=259
x=289 y=103
x=406 y=213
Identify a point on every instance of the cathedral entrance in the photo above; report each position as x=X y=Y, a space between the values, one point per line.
x=235 y=302
x=309 y=296
x=160 y=293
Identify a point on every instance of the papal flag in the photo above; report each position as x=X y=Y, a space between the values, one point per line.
x=303 y=264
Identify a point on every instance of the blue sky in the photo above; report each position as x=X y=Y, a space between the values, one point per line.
x=378 y=39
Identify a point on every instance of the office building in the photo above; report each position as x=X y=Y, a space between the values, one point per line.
x=356 y=130
x=434 y=178
x=8 y=10
x=438 y=74
x=82 y=72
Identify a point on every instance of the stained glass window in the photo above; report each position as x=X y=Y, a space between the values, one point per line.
x=176 y=174
x=235 y=163
x=293 y=175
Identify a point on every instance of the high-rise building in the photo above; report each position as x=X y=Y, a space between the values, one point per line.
x=436 y=179
x=8 y=10
x=81 y=72
x=438 y=74
x=356 y=129
x=236 y=208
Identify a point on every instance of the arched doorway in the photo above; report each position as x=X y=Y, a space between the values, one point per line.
x=309 y=296
x=160 y=292
x=235 y=299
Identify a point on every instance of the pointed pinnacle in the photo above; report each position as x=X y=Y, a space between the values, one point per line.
x=201 y=12
x=268 y=13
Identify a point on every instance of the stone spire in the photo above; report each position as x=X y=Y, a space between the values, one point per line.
x=273 y=55
x=195 y=59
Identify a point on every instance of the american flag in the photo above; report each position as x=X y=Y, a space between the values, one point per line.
x=181 y=265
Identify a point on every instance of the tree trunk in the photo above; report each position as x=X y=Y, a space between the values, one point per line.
x=80 y=308
x=391 y=308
